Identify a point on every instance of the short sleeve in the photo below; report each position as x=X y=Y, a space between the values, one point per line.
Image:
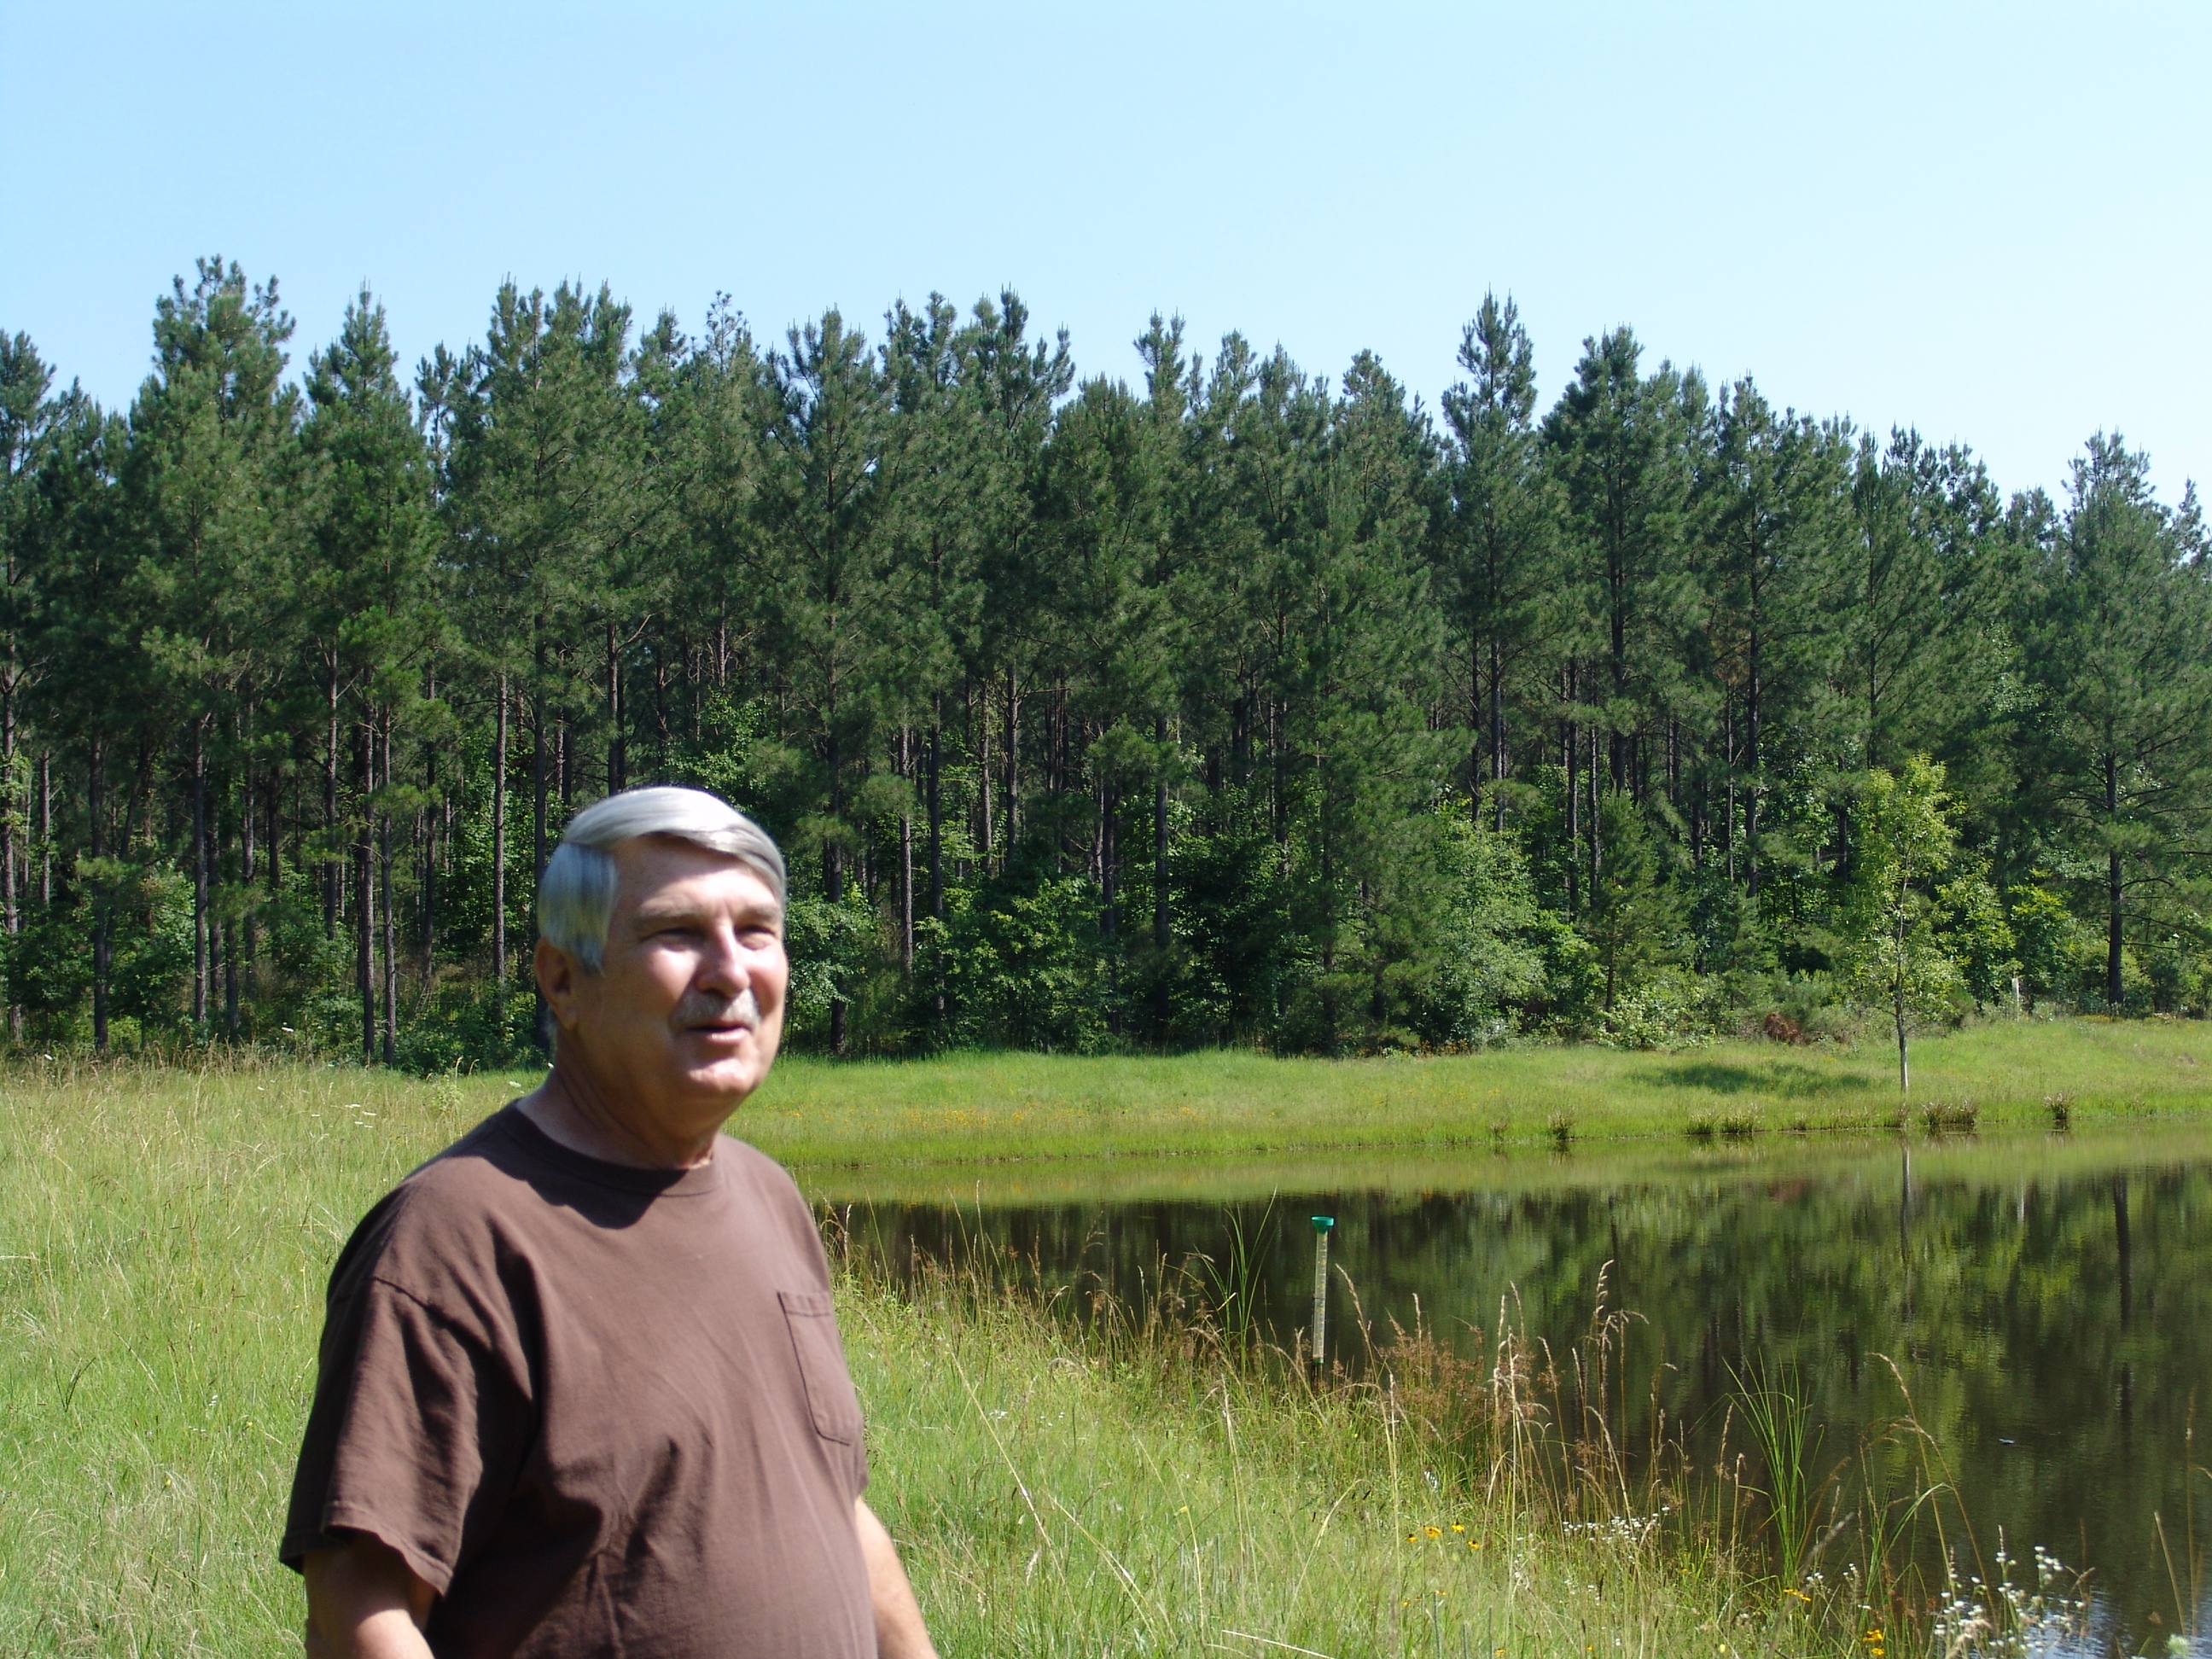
x=416 y=1433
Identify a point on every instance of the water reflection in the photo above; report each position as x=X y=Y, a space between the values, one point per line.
x=2043 y=1309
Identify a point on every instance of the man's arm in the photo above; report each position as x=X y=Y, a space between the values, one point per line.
x=899 y=1631
x=363 y=1602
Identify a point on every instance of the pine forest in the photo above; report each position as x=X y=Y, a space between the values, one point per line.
x=1240 y=705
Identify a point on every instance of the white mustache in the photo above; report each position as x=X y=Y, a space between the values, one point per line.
x=696 y=1009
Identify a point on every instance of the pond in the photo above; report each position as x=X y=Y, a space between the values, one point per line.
x=2040 y=1305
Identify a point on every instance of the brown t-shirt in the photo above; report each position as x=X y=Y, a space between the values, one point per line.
x=599 y=1410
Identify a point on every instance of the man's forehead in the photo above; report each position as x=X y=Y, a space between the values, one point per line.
x=658 y=870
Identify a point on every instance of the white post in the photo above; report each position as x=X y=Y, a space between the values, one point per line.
x=1322 y=1224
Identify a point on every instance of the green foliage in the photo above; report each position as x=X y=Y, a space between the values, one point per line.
x=1498 y=949
x=1021 y=968
x=1091 y=713
x=1976 y=933
x=2046 y=937
x=1634 y=921
x=832 y=945
x=1902 y=842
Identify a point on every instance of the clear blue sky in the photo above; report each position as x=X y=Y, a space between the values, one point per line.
x=1989 y=221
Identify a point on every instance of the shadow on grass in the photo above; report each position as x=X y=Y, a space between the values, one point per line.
x=1786 y=1078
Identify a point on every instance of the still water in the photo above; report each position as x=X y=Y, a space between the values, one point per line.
x=2046 y=1301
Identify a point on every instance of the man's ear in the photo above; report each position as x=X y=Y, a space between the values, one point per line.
x=558 y=974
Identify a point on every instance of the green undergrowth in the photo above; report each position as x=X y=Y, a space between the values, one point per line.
x=1065 y=1479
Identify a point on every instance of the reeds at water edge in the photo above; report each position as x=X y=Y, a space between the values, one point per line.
x=1410 y=1499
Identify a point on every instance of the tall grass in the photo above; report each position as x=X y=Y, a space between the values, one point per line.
x=1070 y=1476
x=1779 y=1423
x=1083 y=1480
x=1093 y=1478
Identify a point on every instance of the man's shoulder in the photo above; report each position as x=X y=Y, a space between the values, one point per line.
x=750 y=1170
x=766 y=1182
x=442 y=1213
x=482 y=1169
x=743 y=1161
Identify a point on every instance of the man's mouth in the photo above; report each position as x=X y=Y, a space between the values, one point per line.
x=719 y=1015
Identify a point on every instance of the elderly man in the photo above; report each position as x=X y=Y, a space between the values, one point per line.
x=580 y=1391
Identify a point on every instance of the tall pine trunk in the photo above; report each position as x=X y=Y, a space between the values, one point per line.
x=45 y=828
x=96 y=836
x=200 y=931
x=1751 y=712
x=426 y=841
x=1573 y=747
x=906 y=855
x=365 y=900
x=1161 y=932
x=499 y=839
x=2115 y=989
x=1014 y=762
x=617 y=756
x=247 y=867
x=390 y=930
x=936 y=835
x=331 y=807
x=1898 y=981
x=1497 y=734
x=981 y=724
x=833 y=878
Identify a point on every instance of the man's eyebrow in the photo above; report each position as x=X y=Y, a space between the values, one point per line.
x=653 y=911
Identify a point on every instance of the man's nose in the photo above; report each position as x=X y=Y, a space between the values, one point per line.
x=725 y=965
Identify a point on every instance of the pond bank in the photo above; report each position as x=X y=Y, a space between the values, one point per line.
x=973 y=1109
x=1117 y=1484
x=2034 y=1305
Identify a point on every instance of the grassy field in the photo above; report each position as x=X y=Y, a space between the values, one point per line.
x=976 y=1107
x=164 y=1239
x=165 y=1236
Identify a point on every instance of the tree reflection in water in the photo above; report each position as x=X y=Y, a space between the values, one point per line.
x=2047 y=1303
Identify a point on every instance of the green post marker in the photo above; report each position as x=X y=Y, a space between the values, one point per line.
x=1322 y=1224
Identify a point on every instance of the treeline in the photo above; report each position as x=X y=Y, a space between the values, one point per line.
x=1241 y=705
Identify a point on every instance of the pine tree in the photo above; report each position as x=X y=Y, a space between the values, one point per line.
x=1499 y=570
x=1622 y=442
x=541 y=496
x=825 y=500
x=2121 y=653
x=1769 y=502
x=370 y=613
x=210 y=435
x=28 y=417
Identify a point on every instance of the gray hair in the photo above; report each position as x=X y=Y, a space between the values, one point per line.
x=577 y=895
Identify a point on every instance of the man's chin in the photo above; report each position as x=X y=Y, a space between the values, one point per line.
x=721 y=1067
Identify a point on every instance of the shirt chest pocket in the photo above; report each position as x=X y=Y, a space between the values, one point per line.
x=829 y=1397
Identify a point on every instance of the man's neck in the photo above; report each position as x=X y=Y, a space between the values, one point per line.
x=574 y=1109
